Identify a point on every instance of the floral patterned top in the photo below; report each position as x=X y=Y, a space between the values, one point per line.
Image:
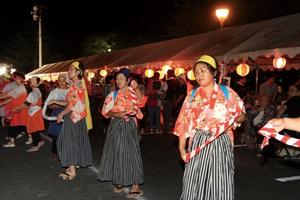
x=199 y=113
x=119 y=101
x=76 y=101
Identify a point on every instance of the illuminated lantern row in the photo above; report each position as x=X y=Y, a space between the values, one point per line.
x=149 y=73
x=103 y=73
x=46 y=78
x=279 y=62
x=243 y=69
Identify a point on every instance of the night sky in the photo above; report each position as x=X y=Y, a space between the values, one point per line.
x=70 y=22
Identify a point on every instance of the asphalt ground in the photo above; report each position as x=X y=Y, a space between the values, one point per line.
x=34 y=176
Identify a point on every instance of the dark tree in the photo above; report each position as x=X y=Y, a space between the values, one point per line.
x=21 y=49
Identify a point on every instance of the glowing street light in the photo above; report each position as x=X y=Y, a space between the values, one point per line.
x=222 y=15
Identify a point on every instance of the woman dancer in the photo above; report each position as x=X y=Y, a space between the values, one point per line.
x=121 y=161
x=73 y=143
x=209 y=175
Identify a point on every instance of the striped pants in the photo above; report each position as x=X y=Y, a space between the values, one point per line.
x=73 y=143
x=210 y=174
x=121 y=161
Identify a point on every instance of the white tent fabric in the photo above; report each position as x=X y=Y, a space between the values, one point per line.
x=260 y=42
x=280 y=36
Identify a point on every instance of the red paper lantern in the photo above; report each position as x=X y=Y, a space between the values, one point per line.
x=138 y=71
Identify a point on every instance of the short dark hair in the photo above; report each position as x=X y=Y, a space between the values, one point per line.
x=125 y=72
x=19 y=74
x=170 y=73
x=38 y=80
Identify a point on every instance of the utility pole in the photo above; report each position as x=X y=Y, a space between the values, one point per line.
x=37 y=16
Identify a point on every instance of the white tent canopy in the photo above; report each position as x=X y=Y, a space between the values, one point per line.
x=278 y=37
x=259 y=42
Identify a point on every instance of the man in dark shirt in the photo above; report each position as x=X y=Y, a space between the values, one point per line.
x=169 y=101
x=180 y=93
x=240 y=87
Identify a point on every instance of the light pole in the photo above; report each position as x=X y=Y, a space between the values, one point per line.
x=222 y=15
x=37 y=16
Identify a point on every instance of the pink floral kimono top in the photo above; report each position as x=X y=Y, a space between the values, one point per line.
x=76 y=101
x=120 y=101
x=197 y=113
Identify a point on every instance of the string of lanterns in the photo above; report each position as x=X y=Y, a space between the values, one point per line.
x=242 y=69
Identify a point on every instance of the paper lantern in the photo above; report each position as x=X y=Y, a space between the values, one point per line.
x=12 y=70
x=91 y=75
x=279 y=62
x=191 y=75
x=54 y=77
x=103 y=72
x=165 y=68
x=161 y=74
x=179 y=71
x=2 y=70
x=243 y=69
x=149 y=73
x=45 y=78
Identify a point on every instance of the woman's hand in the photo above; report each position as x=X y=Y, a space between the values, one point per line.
x=183 y=154
x=278 y=124
x=59 y=118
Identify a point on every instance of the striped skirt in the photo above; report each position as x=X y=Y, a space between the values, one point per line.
x=73 y=144
x=210 y=174
x=121 y=161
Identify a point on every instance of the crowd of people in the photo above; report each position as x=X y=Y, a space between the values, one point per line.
x=203 y=114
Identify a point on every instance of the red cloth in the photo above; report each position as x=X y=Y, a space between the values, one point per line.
x=35 y=123
x=17 y=118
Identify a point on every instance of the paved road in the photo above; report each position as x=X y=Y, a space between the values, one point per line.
x=33 y=176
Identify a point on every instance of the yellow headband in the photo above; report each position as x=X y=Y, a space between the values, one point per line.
x=209 y=60
x=75 y=64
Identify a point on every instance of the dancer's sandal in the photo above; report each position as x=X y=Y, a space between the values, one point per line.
x=118 y=189
x=66 y=176
x=134 y=194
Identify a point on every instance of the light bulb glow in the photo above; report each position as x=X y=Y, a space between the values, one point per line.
x=279 y=62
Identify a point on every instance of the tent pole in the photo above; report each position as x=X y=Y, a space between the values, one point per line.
x=222 y=72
